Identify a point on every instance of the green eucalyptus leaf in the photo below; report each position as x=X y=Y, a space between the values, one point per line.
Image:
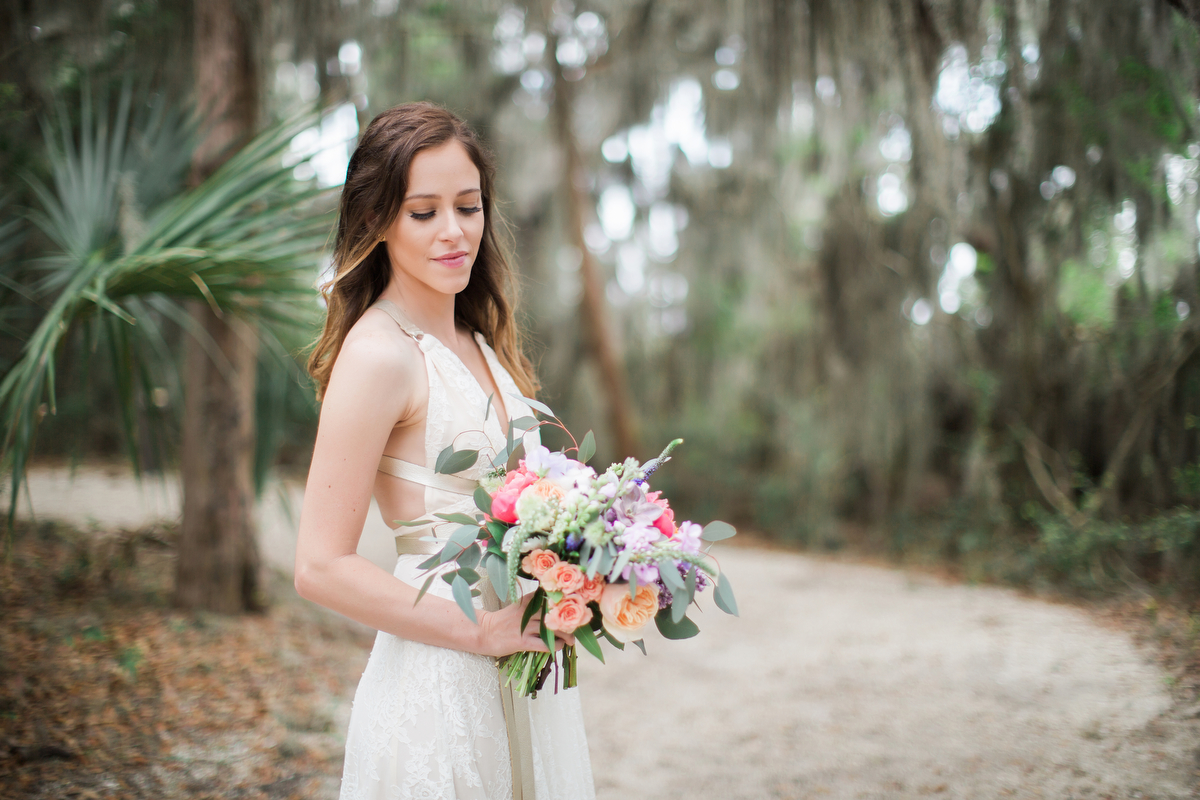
x=415 y=523
x=424 y=589
x=596 y=560
x=587 y=448
x=670 y=629
x=462 y=596
x=670 y=576
x=679 y=606
x=615 y=642
x=462 y=519
x=497 y=570
x=457 y=544
x=587 y=637
x=724 y=596
x=432 y=561
x=483 y=500
x=534 y=404
x=523 y=423
x=469 y=557
x=691 y=583
x=619 y=566
x=456 y=461
x=447 y=451
x=487 y=407
x=641 y=645
x=502 y=457
x=716 y=531
x=546 y=634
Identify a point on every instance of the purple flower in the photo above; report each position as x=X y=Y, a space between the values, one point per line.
x=640 y=536
x=688 y=537
x=701 y=575
x=646 y=573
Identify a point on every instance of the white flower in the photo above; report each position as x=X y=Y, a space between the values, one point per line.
x=532 y=506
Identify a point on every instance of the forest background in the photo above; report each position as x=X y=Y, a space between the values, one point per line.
x=917 y=277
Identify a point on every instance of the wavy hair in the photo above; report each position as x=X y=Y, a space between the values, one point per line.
x=376 y=183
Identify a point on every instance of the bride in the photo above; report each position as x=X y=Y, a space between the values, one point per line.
x=420 y=351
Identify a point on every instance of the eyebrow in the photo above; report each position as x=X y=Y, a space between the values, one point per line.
x=437 y=196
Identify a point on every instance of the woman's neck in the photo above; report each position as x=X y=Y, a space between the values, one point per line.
x=430 y=310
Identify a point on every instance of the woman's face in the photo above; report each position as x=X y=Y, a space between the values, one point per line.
x=434 y=239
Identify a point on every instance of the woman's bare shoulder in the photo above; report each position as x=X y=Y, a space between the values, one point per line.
x=377 y=356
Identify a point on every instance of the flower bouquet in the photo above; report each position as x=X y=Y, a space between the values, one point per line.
x=605 y=550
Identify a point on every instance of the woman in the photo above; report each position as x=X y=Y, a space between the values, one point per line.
x=420 y=351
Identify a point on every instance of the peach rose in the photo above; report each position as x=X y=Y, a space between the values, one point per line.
x=538 y=561
x=545 y=489
x=625 y=617
x=562 y=577
x=568 y=614
x=591 y=589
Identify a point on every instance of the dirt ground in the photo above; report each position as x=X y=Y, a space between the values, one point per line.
x=838 y=681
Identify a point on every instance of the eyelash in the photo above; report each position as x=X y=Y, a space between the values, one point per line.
x=429 y=214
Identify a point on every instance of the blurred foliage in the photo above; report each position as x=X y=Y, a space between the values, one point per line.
x=121 y=246
x=925 y=269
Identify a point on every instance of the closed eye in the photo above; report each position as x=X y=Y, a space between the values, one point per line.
x=471 y=210
x=422 y=216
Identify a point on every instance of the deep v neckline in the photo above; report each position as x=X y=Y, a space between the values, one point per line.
x=495 y=412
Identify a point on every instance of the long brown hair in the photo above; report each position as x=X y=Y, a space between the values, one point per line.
x=376 y=183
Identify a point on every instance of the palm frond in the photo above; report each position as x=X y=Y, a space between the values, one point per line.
x=247 y=240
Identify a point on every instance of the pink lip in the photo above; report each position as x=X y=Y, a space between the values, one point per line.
x=453 y=260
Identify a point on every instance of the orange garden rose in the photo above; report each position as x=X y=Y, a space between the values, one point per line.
x=624 y=617
x=538 y=561
x=591 y=589
x=545 y=489
x=562 y=577
x=568 y=614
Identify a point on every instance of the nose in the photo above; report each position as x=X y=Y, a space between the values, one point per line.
x=451 y=231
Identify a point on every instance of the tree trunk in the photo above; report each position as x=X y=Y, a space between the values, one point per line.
x=595 y=318
x=218 y=553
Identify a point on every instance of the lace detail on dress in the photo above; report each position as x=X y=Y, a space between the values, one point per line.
x=426 y=722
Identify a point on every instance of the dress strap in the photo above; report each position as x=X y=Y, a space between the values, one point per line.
x=416 y=473
x=393 y=311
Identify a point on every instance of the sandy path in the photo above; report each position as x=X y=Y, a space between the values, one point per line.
x=838 y=681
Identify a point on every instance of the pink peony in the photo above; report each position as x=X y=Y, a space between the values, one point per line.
x=568 y=614
x=591 y=589
x=504 y=501
x=538 y=561
x=562 y=577
x=666 y=521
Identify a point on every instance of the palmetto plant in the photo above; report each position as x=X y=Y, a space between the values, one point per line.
x=125 y=249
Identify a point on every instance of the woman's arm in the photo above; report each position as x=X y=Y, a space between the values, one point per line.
x=373 y=386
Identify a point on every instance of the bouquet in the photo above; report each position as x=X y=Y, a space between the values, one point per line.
x=606 y=551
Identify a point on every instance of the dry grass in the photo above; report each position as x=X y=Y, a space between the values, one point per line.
x=106 y=691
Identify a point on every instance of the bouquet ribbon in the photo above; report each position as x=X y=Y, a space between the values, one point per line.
x=516 y=706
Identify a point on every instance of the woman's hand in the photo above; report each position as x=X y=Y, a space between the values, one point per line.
x=501 y=634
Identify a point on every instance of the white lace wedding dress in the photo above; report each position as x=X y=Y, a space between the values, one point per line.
x=427 y=722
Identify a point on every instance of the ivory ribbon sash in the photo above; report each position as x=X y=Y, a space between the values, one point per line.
x=516 y=707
